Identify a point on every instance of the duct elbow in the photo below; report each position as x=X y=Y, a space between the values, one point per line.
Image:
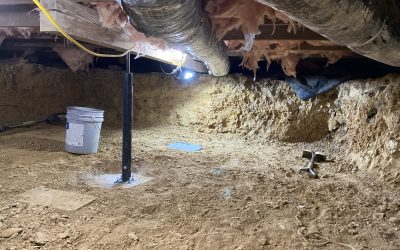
x=184 y=26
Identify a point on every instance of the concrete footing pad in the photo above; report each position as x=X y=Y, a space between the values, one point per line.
x=108 y=181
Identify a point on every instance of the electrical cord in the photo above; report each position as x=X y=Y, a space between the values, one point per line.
x=79 y=45
x=174 y=72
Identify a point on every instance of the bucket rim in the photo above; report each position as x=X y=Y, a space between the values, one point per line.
x=84 y=109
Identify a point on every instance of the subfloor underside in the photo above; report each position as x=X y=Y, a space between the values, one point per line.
x=234 y=194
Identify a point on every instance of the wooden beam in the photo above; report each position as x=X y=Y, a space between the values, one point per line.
x=18 y=16
x=84 y=25
x=34 y=43
x=279 y=32
x=305 y=49
x=14 y=2
x=309 y=49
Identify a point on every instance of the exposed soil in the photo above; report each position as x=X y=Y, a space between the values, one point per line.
x=242 y=191
x=233 y=194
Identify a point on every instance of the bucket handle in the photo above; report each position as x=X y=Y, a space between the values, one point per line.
x=95 y=124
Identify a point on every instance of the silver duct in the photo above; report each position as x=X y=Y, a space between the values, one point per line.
x=366 y=27
x=183 y=25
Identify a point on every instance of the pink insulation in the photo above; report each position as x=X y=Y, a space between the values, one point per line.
x=288 y=53
x=112 y=16
x=24 y=32
x=247 y=16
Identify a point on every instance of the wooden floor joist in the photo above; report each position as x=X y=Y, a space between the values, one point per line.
x=84 y=25
x=307 y=50
x=277 y=32
x=14 y=2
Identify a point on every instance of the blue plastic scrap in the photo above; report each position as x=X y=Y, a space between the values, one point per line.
x=313 y=85
x=185 y=147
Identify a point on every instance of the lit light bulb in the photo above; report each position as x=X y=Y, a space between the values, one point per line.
x=188 y=75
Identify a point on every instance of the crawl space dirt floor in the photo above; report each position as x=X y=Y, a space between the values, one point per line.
x=242 y=191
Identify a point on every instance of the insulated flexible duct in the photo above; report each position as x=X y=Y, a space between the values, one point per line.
x=182 y=24
x=366 y=27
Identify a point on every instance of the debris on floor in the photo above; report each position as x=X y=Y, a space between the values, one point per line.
x=185 y=147
x=228 y=192
x=218 y=171
x=62 y=200
x=313 y=157
x=311 y=86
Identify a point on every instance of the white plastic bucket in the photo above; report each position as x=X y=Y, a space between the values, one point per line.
x=83 y=130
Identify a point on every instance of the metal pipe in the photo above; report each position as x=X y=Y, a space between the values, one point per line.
x=183 y=25
x=127 y=123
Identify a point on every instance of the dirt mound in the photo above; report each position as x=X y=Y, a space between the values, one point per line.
x=268 y=109
x=370 y=113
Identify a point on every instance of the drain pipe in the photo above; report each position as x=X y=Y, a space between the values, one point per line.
x=369 y=28
x=184 y=26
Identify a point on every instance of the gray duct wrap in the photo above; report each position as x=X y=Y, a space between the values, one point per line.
x=183 y=25
x=366 y=27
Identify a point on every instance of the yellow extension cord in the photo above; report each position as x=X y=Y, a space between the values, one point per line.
x=70 y=38
x=79 y=45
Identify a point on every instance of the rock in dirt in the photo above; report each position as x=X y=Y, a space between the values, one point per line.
x=394 y=220
x=263 y=241
x=21 y=208
x=133 y=237
x=41 y=239
x=63 y=236
x=54 y=216
x=378 y=216
x=383 y=208
x=10 y=232
x=2 y=217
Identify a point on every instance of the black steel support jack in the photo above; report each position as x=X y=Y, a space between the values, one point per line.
x=127 y=123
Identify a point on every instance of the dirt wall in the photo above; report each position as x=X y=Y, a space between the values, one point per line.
x=370 y=114
x=362 y=117
x=32 y=91
x=233 y=104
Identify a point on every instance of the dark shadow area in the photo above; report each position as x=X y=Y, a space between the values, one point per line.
x=358 y=66
x=349 y=68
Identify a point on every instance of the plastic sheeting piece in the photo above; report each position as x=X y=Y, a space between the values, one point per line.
x=311 y=86
x=184 y=146
x=183 y=25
